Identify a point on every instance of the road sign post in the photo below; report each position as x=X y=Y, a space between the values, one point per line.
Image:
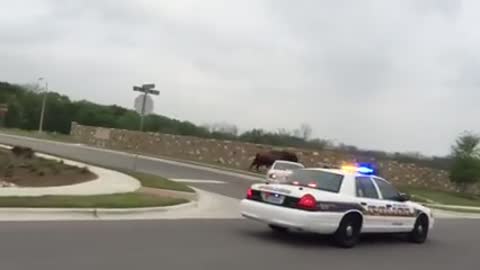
x=143 y=105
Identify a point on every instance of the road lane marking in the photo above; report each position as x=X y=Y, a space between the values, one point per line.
x=198 y=181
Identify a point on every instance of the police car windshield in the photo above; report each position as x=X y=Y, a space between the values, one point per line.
x=317 y=179
x=286 y=166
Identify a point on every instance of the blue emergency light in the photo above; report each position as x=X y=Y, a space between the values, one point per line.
x=365 y=168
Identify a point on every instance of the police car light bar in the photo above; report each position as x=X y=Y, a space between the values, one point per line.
x=361 y=168
x=365 y=170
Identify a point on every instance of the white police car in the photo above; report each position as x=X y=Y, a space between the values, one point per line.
x=343 y=202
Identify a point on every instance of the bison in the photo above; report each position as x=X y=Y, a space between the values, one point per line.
x=23 y=152
x=268 y=158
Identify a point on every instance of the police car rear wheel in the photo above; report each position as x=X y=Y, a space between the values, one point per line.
x=278 y=229
x=348 y=233
x=420 y=230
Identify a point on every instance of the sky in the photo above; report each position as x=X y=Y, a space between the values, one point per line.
x=397 y=75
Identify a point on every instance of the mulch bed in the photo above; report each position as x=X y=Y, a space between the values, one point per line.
x=22 y=168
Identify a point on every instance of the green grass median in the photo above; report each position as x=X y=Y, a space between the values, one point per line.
x=443 y=197
x=125 y=200
x=154 y=181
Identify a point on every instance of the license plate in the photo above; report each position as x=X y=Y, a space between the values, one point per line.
x=273 y=198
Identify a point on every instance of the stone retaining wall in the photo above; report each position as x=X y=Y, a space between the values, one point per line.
x=239 y=155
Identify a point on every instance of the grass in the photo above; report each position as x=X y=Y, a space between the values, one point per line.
x=463 y=210
x=154 y=181
x=125 y=200
x=443 y=197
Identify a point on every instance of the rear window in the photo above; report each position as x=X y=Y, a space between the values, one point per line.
x=287 y=166
x=317 y=179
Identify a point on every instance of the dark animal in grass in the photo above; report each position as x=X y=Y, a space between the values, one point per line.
x=268 y=158
x=24 y=152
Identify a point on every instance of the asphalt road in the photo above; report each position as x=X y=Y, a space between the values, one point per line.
x=211 y=245
x=236 y=184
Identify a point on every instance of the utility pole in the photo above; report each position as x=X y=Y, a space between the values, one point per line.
x=44 y=103
x=144 y=108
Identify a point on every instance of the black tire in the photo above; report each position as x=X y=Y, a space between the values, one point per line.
x=278 y=229
x=419 y=233
x=348 y=233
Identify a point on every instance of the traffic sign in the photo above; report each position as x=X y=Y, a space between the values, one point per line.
x=148 y=109
x=144 y=105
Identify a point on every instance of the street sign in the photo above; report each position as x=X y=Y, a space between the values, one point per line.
x=148 y=86
x=148 y=104
x=154 y=92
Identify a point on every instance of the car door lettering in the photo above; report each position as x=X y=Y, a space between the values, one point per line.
x=394 y=210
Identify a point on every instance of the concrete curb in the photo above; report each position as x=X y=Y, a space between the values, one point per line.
x=45 y=214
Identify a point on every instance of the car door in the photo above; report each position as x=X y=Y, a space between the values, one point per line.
x=369 y=198
x=399 y=216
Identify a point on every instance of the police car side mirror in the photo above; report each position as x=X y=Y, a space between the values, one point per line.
x=403 y=197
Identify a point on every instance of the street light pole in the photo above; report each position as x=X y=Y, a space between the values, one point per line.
x=44 y=103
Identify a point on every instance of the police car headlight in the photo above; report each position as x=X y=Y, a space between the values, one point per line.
x=273 y=176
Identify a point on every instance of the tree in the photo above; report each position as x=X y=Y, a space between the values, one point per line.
x=222 y=128
x=467 y=145
x=305 y=131
x=465 y=170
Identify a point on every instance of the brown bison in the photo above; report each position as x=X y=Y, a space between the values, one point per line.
x=23 y=152
x=268 y=158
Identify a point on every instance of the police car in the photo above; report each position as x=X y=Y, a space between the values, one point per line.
x=343 y=202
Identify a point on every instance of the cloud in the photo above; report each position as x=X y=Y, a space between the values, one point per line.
x=393 y=75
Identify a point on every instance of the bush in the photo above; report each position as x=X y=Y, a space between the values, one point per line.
x=84 y=170
x=465 y=172
x=466 y=166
